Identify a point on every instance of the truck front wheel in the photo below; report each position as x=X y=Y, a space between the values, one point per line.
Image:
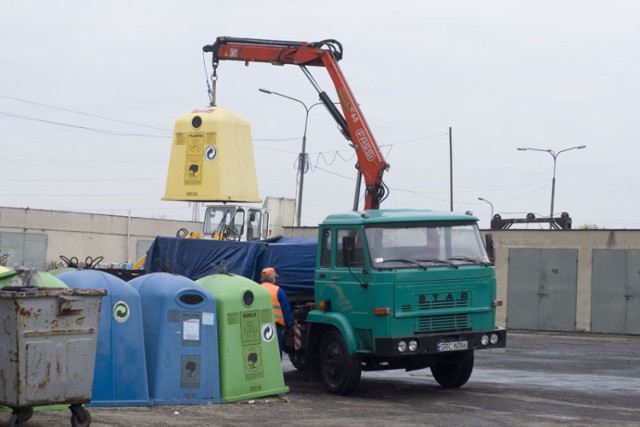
x=297 y=360
x=340 y=372
x=453 y=370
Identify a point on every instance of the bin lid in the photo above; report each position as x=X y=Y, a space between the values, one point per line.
x=5 y=273
x=29 y=277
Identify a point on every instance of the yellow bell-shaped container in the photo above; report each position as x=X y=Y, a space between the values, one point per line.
x=212 y=158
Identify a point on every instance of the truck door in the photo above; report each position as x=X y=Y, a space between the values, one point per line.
x=348 y=276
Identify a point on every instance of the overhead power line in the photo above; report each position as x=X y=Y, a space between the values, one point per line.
x=81 y=113
x=75 y=161
x=82 y=180
x=104 y=131
x=78 y=195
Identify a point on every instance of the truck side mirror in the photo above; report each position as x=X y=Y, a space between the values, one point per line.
x=489 y=246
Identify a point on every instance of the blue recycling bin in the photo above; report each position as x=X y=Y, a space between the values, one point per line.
x=120 y=374
x=181 y=339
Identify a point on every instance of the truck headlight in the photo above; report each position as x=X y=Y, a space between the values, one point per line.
x=494 y=339
x=484 y=340
x=402 y=346
x=413 y=345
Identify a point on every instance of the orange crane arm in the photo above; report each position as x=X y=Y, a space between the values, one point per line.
x=327 y=53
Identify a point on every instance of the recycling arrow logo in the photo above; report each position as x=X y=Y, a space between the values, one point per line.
x=268 y=332
x=211 y=153
x=121 y=311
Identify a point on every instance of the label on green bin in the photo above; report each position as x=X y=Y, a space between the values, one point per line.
x=268 y=332
x=250 y=328
x=253 y=366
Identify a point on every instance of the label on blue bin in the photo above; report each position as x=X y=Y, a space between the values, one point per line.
x=208 y=319
x=190 y=375
x=190 y=329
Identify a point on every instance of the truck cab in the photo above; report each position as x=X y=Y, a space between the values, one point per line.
x=236 y=222
x=406 y=289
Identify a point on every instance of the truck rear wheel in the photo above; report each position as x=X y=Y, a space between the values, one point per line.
x=340 y=372
x=453 y=370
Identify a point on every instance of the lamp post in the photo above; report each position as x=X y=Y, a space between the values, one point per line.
x=553 y=181
x=490 y=204
x=302 y=159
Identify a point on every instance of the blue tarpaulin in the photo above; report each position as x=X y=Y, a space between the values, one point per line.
x=293 y=259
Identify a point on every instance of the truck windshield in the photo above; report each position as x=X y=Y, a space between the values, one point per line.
x=425 y=246
x=217 y=218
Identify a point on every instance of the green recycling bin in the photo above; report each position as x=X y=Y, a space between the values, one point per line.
x=249 y=356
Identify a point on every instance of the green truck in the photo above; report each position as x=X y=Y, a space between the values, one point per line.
x=393 y=289
x=397 y=289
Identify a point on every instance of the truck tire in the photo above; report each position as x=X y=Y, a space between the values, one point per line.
x=453 y=370
x=340 y=372
x=297 y=360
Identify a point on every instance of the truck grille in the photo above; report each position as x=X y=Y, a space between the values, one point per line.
x=447 y=322
x=438 y=301
x=428 y=305
x=423 y=303
x=443 y=300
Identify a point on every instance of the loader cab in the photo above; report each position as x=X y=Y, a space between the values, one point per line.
x=236 y=222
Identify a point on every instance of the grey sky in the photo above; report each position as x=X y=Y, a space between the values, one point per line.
x=502 y=74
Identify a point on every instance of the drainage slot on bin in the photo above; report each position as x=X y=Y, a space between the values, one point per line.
x=191 y=299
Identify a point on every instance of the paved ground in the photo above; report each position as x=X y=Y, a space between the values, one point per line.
x=538 y=380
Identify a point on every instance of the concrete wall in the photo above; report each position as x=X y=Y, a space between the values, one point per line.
x=81 y=234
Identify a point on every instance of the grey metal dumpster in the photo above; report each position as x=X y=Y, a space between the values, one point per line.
x=47 y=349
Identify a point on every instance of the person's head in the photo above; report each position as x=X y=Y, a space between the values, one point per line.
x=268 y=275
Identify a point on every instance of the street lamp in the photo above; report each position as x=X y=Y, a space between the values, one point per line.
x=302 y=159
x=490 y=204
x=553 y=182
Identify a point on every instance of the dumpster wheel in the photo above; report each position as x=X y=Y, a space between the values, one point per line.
x=20 y=416
x=80 y=417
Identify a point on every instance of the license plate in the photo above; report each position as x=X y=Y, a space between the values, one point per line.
x=453 y=346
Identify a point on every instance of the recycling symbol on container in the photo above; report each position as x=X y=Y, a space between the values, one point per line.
x=121 y=311
x=211 y=152
x=268 y=332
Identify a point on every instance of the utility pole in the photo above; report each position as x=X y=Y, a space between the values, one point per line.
x=451 y=168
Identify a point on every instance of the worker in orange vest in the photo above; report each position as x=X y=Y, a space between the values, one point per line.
x=281 y=308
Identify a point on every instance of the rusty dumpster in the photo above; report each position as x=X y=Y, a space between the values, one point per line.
x=47 y=349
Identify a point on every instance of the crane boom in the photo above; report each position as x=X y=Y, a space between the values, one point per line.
x=326 y=53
